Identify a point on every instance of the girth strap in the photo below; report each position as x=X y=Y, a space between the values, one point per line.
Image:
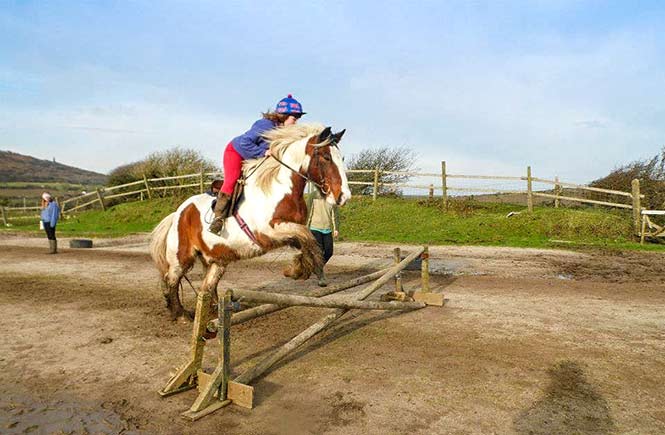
x=245 y=229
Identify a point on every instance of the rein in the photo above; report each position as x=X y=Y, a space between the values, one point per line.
x=305 y=177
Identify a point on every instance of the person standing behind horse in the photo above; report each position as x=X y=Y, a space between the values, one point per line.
x=250 y=145
x=49 y=216
x=323 y=222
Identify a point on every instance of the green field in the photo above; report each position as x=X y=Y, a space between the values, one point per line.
x=406 y=220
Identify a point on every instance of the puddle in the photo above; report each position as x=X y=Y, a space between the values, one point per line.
x=22 y=415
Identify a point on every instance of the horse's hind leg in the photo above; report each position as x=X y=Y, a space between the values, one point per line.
x=171 y=293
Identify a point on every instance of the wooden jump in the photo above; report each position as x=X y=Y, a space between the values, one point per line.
x=217 y=390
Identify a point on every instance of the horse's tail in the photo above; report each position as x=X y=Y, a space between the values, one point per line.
x=158 y=244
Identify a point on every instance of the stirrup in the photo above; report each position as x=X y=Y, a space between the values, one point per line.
x=217 y=225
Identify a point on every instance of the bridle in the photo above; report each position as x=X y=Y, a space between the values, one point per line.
x=321 y=183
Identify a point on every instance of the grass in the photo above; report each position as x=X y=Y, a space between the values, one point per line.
x=406 y=220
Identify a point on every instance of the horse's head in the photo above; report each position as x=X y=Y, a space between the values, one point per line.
x=326 y=166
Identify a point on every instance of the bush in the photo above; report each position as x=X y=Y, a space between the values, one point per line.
x=650 y=172
x=176 y=161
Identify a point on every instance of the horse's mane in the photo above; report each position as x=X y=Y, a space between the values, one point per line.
x=280 y=139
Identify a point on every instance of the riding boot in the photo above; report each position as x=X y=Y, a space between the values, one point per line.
x=221 y=212
x=323 y=280
x=53 y=246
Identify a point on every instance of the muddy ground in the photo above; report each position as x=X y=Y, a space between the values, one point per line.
x=529 y=342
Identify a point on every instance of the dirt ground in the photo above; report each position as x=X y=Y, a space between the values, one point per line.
x=529 y=342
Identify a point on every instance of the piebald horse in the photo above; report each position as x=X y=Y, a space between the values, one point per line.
x=272 y=207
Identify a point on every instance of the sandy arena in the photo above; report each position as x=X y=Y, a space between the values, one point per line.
x=529 y=342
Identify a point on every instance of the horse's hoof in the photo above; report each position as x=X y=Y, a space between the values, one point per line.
x=184 y=319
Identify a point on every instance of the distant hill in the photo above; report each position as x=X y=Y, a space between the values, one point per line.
x=18 y=167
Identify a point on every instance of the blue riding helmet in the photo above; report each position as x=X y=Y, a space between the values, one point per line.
x=289 y=106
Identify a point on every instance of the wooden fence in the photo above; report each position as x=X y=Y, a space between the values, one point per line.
x=441 y=184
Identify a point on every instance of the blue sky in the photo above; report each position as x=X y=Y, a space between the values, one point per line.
x=573 y=88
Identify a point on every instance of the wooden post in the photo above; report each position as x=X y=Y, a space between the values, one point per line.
x=147 y=187
x=644 y=229
x=4 y=217
x=376 y=183
x=430 y=199
x=101 y=199
x=397 y=256
x=637 y=208
x=529 y=190
x=557 y=191
x=201 y=181
x=444 y=186
x=424 y=269
x=24 y=205
x=141 y=195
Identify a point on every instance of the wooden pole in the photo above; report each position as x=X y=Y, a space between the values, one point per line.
x=444 y=186
x=101 y=199
x=201 y=181
x=397 y=257
x=529 y=190
x=644 y=229
x=557 y=191
x=147 y=186
x=326 y=321
x=424 y=269
x=4 y=216
x=327 y=302
x=262 y=310
x=375 y=190
x=637 y=208
x=430 y=199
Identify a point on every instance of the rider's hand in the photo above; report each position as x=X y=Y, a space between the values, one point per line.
x=335 y=234
x=267 y=154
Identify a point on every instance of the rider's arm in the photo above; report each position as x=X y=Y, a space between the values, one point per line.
x=251 y=144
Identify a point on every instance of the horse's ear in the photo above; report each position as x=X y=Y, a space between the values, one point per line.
x=338 y=136
x=325 y=134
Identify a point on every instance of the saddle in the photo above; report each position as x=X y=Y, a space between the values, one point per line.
x=238 y=191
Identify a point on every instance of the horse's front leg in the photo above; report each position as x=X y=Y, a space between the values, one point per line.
x=310 y=259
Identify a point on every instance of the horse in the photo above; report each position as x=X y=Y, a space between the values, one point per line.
x=270 y=214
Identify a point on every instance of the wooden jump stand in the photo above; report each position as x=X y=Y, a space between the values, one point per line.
x=217 y=390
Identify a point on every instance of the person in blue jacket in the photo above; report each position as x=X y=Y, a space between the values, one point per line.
x=50 y=215
x=250 y=145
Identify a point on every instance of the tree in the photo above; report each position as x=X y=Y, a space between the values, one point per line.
x=386 y=159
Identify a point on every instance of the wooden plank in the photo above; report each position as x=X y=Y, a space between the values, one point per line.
x=590 y=201
x=120 y=186
x=327 y=302
x=582 y=187
x=424 y=269
x=119 y=195
x=179 y=186
x=429 y=298
x=195 y=415
x=265 y=309
x=483 y=189
x=241 y=394
x=83 y=205
x=653 y=212
x=485 y=177
x=175 y=177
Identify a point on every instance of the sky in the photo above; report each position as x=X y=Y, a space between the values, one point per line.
x=572 y=88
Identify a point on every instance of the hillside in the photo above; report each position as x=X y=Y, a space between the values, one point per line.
x=16 y=167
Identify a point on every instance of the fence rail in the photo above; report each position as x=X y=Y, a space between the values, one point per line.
x=155 y=186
